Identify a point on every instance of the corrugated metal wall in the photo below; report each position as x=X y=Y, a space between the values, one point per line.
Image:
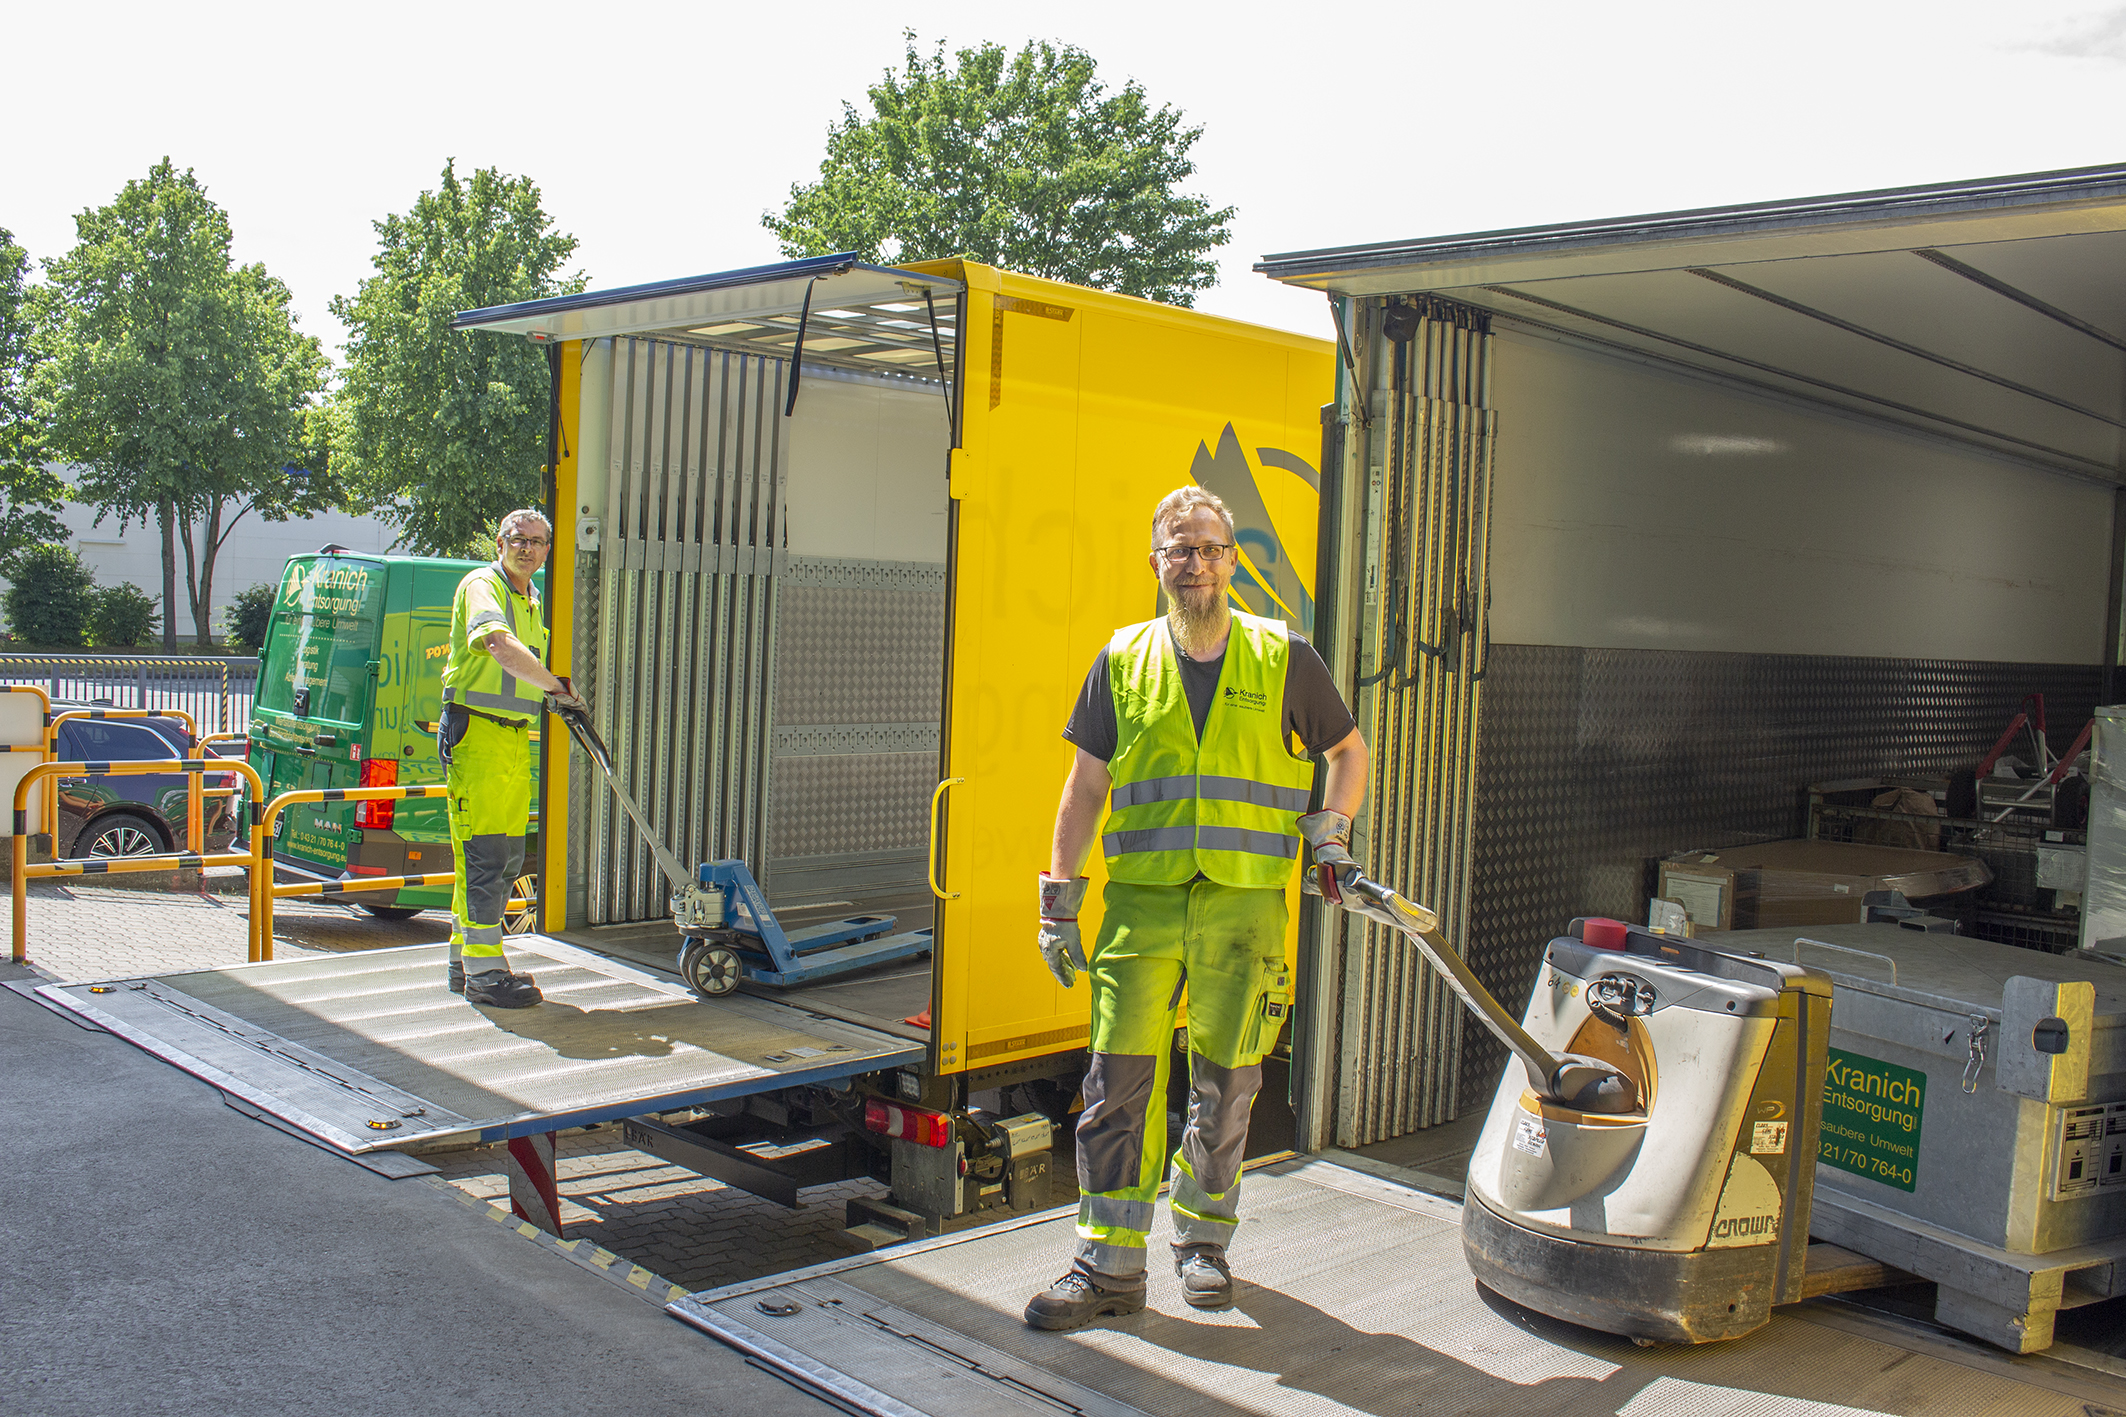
x=1423 y=652
x=686 y=614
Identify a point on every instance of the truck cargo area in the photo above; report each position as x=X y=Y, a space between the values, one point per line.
x=1355 y=1299
x=370 y=1051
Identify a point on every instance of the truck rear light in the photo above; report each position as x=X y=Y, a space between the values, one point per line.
x=377 y=772
x=891 y=1119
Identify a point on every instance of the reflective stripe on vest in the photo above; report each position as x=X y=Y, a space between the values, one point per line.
x=1226 y=807
x=482 y=682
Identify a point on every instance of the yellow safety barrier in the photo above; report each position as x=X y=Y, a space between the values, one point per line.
x=160 y=861
x=262 y=838
x=193 y=803
x=257 y=860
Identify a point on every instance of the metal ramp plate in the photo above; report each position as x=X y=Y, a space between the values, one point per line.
x=370 y=1050
x=1354 y=1300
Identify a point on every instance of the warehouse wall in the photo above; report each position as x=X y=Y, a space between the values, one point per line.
x=1637 y=509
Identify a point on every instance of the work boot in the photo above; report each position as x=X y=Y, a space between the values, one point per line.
x=500 y=989
x=1206 y=1279
x=1076 y=1300
x=457 y=977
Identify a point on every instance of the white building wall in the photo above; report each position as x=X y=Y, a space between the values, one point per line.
x=1637 y=509
x=256 y=551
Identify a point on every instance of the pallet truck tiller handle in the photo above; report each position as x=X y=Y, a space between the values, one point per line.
x=1583 y=1084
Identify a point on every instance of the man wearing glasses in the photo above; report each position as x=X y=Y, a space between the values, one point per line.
x=1185 y=734
x=494 y=686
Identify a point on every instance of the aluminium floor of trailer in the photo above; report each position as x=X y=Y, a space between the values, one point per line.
x=1355 y=1300
x=368 y=1051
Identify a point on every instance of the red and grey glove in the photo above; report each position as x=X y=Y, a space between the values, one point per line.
x=1329 y=833
x=1061 y=948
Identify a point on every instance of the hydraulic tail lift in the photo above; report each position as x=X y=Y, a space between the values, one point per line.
x=729 y=931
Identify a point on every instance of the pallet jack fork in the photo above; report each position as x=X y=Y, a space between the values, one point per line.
x=729 y=931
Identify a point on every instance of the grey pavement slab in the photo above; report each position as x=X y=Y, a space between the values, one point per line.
x=162 y=1253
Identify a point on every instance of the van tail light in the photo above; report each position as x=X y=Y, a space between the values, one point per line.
x=891 y=1119
x=377 y=772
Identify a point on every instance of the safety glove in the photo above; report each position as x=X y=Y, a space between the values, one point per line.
x=1329 y=833
x=1061 y=947
x=566 y=702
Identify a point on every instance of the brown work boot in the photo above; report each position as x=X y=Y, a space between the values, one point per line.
x=1076 y=1300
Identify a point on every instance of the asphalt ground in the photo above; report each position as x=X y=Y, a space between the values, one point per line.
x=162 y=1253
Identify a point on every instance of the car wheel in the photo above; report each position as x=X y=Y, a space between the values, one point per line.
x=525 y=921
x=119 y=834
x=392 y=912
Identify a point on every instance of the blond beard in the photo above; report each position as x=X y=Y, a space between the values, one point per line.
x=1195 y=628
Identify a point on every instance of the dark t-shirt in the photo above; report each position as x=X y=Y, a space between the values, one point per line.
x=1312 y=708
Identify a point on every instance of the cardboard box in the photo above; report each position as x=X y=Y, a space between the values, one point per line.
x=1779 y=883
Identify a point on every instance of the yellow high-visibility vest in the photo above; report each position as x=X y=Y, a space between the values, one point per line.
x=1227 y=806
x=471 y=677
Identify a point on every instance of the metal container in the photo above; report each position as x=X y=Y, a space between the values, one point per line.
x=2104 y=893
x=1974 y=1119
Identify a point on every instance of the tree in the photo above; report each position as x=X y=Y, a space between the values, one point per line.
x=29 y=494
x=1025 y=161
x=176 y=378
x=443 y=433
x=248 y=613
x=49 y=597
x=121 y=616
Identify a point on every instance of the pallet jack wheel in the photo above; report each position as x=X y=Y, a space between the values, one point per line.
x=710 y=970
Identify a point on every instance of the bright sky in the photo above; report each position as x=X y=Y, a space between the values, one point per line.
x=660 y=132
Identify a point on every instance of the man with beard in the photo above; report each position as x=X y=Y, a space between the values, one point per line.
x=1185 y=729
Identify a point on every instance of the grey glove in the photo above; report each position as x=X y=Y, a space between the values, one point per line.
x=565 y=702
x=1059 y=941
x=1329 y=833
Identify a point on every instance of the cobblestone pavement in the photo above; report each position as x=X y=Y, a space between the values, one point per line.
x=80 y=932
x=687 y=1228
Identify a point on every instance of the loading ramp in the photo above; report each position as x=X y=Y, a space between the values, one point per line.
x=370 y=1051
x=1354 y=1298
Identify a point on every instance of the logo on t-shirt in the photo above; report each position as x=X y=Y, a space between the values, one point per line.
x=1247 y=699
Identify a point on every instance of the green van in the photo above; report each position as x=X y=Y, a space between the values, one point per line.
x=350 y=685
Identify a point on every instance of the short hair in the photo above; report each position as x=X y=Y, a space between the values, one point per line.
x=524 y=514
x=1182 y=501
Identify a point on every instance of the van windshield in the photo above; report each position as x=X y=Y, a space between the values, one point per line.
x=324 y=637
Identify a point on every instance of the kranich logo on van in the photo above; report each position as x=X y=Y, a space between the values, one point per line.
x=325 y=588
x=1267 y=583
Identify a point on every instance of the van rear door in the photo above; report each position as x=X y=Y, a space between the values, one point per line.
x=316 y=682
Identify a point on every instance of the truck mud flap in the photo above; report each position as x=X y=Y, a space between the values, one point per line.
x=369 y=1050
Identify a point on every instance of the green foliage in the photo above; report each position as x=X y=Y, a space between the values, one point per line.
x=1025 y=161
x=247 y=615
x=29 y=495
x=122 y=616
x=49 y=596
x=176 y=377
x=443 y=432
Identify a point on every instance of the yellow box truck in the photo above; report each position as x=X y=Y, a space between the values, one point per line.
x=835 y=545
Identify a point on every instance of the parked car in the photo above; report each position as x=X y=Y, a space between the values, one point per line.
x=134 y=815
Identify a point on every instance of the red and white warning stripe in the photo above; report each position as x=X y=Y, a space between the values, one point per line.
x=533 y=1194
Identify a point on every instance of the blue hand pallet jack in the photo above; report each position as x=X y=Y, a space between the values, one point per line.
x=750 y=943
x=730 y=932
